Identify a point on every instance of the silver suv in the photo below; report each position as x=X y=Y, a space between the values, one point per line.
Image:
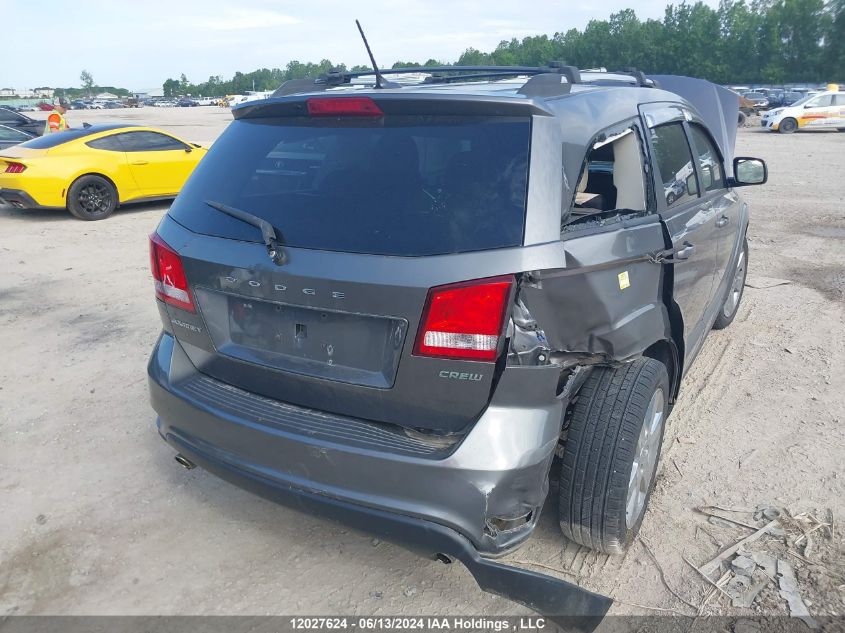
x=395 y=305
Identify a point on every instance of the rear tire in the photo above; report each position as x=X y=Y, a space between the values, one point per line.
x=611 y=454
x=788 y=126
x=730 y=305
x=741 y=119
x=92 y=198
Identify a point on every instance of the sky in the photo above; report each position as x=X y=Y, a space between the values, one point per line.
x=139 y=44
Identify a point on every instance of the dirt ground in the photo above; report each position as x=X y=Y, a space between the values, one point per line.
x=97 y=518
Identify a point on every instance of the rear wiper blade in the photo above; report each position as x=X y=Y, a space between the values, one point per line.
x=272 y=236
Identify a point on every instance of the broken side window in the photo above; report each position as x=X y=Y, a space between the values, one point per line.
x=612 y=177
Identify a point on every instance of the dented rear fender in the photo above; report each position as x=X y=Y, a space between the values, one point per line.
x=609 y=298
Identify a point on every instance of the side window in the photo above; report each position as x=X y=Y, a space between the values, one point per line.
x=7 y=116
x=709 y=161
x=149 y=142
x=820 y=102
x=612 y=176
x=11 y=134
x=839 y=99
x=110 y=143
x=674 y=163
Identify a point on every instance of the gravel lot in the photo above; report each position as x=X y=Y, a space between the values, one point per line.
x=99 y=519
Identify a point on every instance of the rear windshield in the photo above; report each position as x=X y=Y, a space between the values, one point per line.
x=401 y=185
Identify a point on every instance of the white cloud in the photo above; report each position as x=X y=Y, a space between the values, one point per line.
x=245 y=19
x=144 y=43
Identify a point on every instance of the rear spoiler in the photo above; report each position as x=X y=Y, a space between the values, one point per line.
x=398 y=103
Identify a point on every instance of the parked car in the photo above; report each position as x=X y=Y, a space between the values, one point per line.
x=27 y=108
x=132 y=102
x=113 y=105
x=19 y=121
x=78 y=104
x=11 y=136
x=187 y=103
x=673 y=190
x=92 y=170
x=760 y=101
x=791 y=97
x=825 y=110
x=44 y=106
x=746 y=109
x=208 y=101
x=774 y=97
x=378 y=314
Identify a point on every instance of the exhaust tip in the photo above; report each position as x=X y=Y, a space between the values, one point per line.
x=184 y=462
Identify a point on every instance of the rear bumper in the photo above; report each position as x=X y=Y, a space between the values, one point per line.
x=480 y=488
x=564 y=603
x=19 y=199
x=440 y=504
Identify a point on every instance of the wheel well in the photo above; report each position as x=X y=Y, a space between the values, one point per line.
x=666 y=352
x=103 y=176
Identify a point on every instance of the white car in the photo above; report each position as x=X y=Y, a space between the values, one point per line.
x=825 y=110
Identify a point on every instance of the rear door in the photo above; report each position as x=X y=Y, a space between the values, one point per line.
x=375 y=211
x=690 y=219
x=838 y=115
x=160 y=164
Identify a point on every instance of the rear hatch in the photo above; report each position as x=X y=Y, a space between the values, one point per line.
x=375 y=209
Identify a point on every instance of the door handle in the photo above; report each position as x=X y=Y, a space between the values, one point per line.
x=139 y=162
x=723 y=221
x=685 y=252
x=674 y=255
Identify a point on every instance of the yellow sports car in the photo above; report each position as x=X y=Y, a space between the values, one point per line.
x=92 y=170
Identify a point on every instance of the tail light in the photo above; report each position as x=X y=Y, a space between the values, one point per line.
x=171 y=284
x=15 y=168
x=465 y=320
x=343 y=106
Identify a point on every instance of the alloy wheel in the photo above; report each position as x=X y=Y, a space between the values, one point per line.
x=737 y=285
x=645 y=459
x=95 y=198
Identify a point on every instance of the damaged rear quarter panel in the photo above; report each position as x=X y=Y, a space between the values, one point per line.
x=608 y=300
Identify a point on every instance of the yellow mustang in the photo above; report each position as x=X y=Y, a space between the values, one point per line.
x=92 y=170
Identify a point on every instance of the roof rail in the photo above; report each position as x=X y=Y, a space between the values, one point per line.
x=636 y=74
x=447 y=74
x=445 y=79
x=572 y=74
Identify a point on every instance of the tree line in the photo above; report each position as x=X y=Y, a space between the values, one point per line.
x=89 y=88
x=759 y=41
